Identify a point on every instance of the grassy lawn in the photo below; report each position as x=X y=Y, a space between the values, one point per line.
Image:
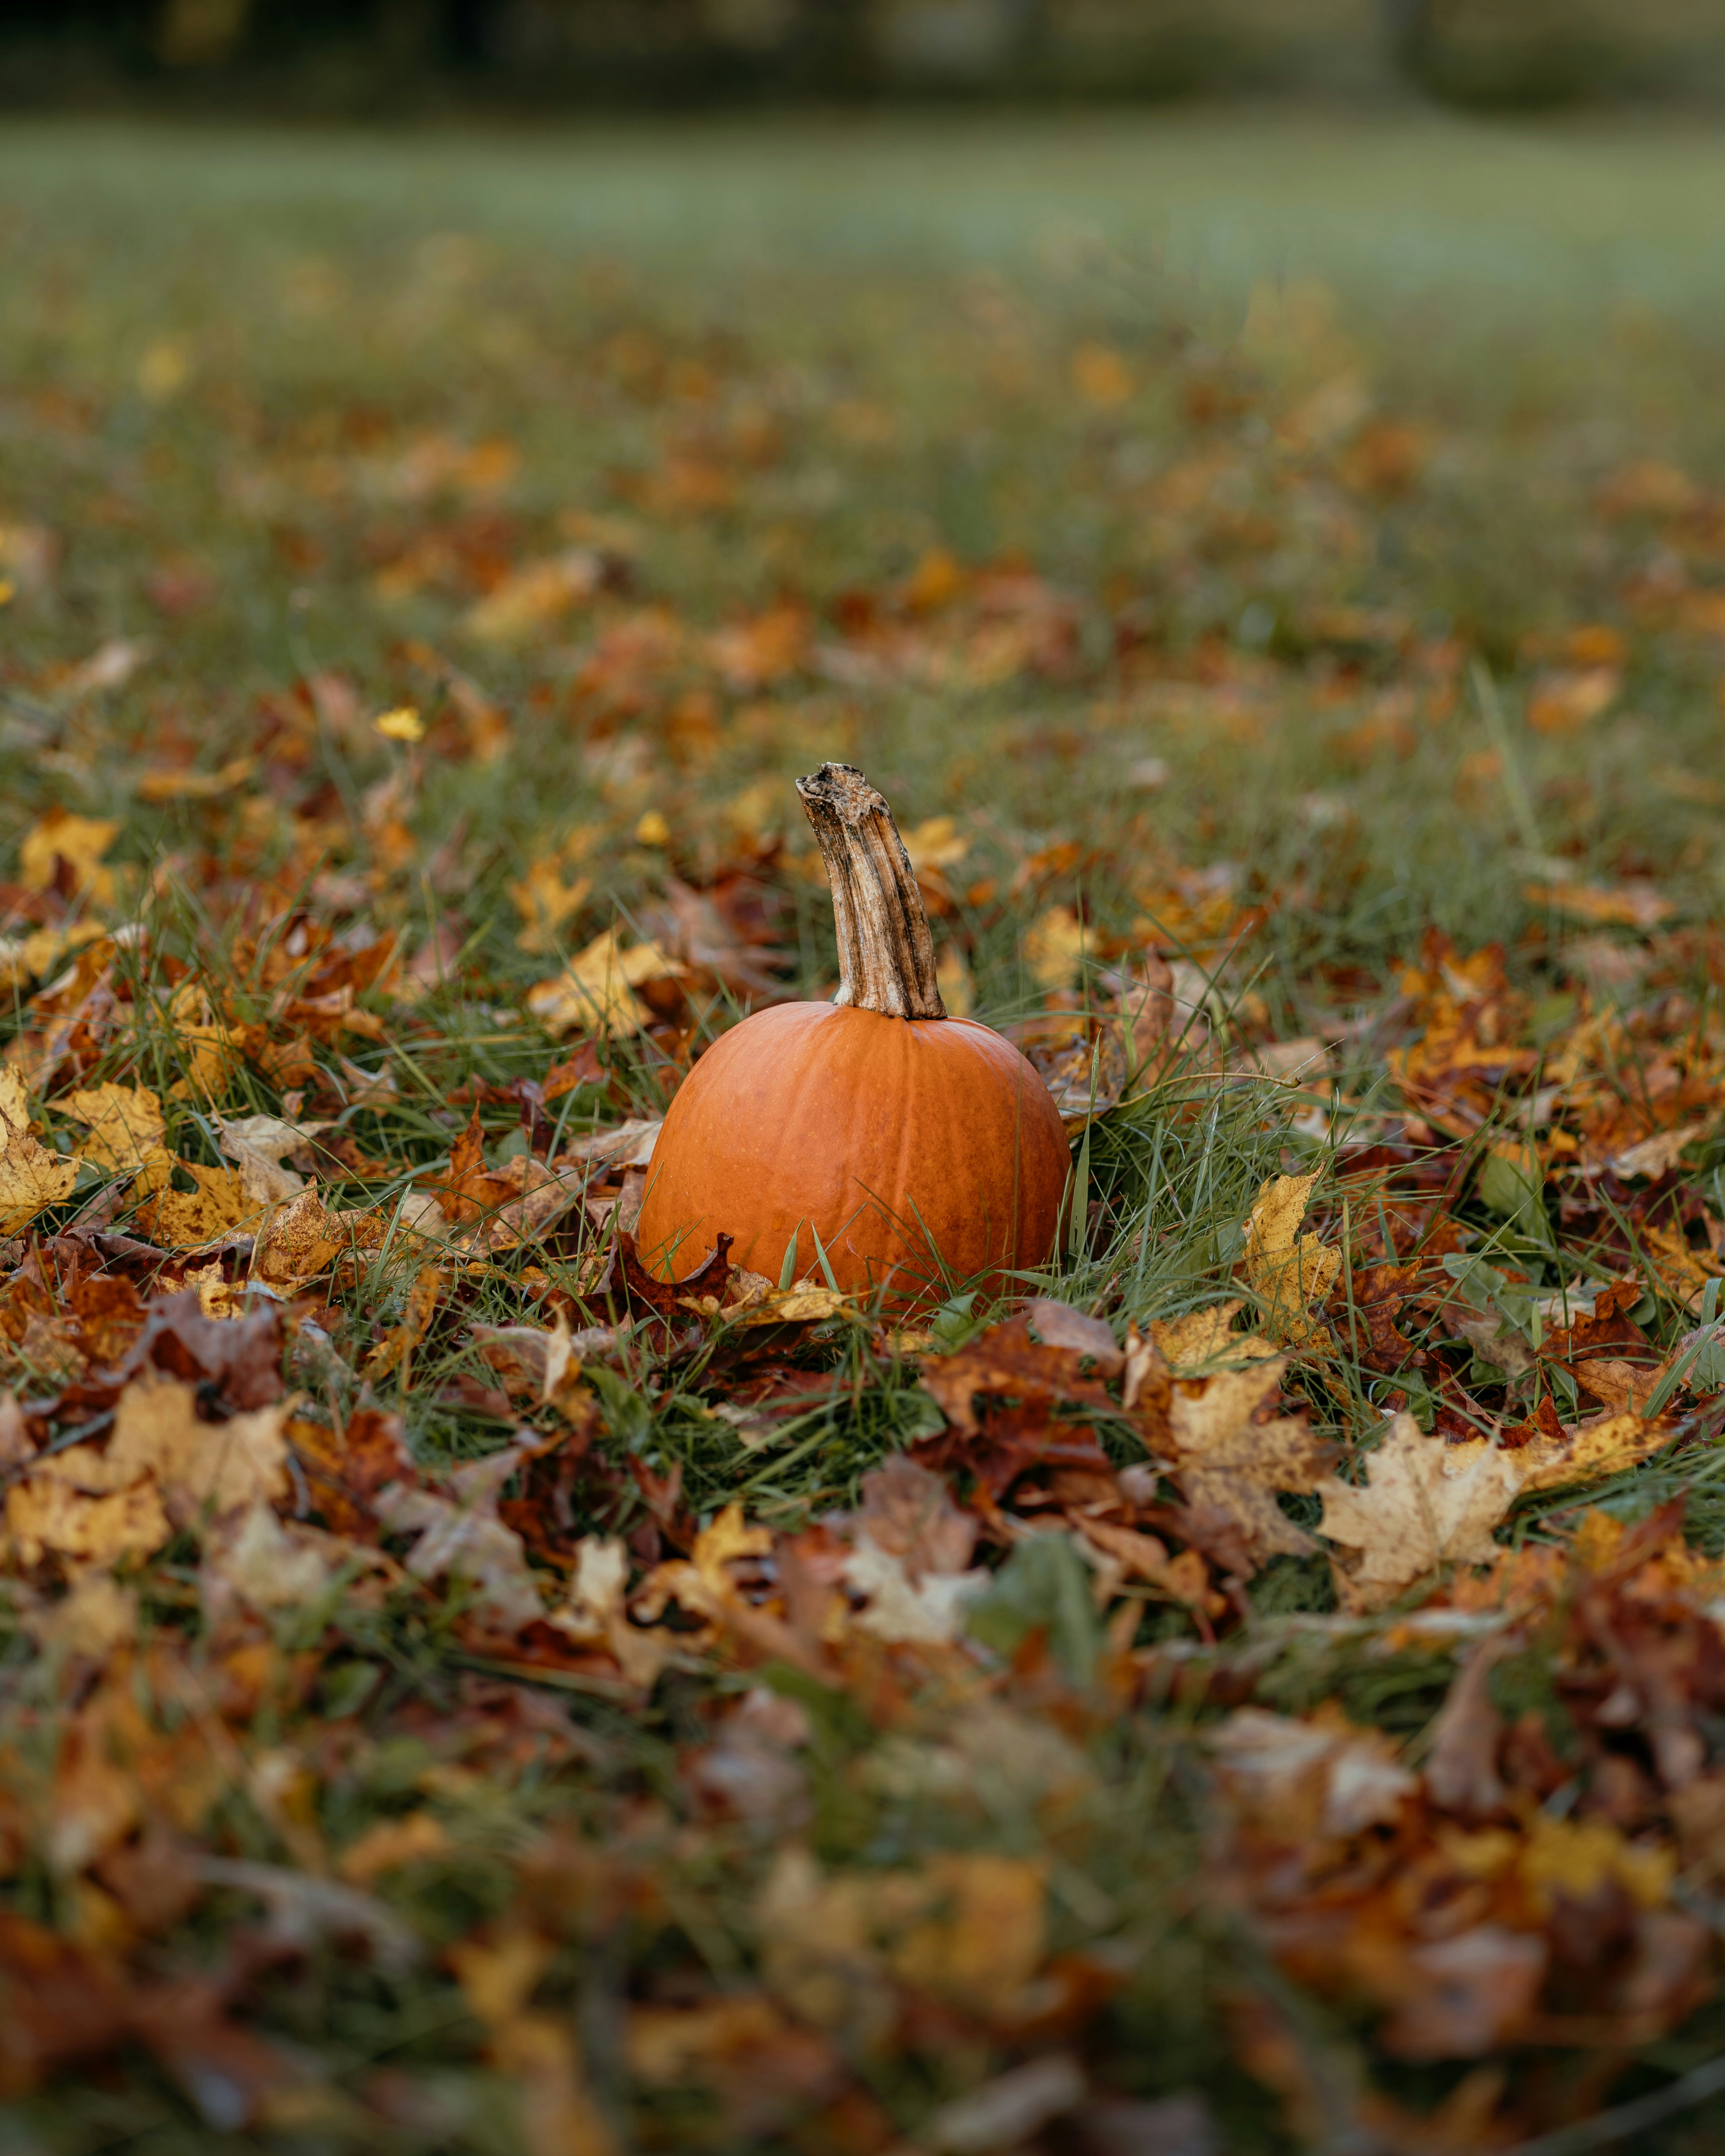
x=1274 y=565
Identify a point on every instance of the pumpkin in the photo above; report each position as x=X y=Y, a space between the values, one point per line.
x=914 y=1152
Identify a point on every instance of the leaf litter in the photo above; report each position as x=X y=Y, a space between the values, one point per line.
x=1258 y=1682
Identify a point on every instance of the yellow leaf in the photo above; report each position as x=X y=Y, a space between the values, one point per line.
x=126 y=1123
x=796 y=1305
x=728 y=1537
x=545 y=902
x=31 y=1176
x=1202 y=1336
x=497 y=1977
x=652 y=830
x=935 y=844
x=534 y=596
x=1588 y=1451
x=48 y=1515
x=391 y=1843
x=78 y=841
x=172 y=785
x=404 y=724
x=1054 y=950
x=596 y=989
x=205 y=1049
x=952 y=978
x=1576 y=1857
x=1101 y=376
x=1288 y=1271
x=1234 y=1452
x=221 y=1466
x=181 y=1219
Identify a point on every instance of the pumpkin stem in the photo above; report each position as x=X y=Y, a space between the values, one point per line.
x=885 y=953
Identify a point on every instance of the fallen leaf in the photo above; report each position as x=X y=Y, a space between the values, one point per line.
x=183 y=1220
x=1206 y=1336
x=174 y=784
x=1233 y=1452
x=626 y=1145
x=1563 y=703
x=1297 y=1779
x=1637 y=905
x=78 y=841
x=1424 y=1503
x=534 y=596
x=388 y=1844
x=1289 y=1271
x=220 y=1466
x=48 y=1515
x=126 y=1123
x=596 y=989
x=263 y=1180
x=460 y=1537
x=31 y=1178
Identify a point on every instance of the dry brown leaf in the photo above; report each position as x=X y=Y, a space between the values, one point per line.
x=460 y=1537
x=1424 y=1503
x=126 y=1123
x=1290 y=1271
x=31 y=1176
x=255 y=1144
x=1234 y=1453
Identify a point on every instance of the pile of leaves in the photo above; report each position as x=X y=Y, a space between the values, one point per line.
x=1258 y=1681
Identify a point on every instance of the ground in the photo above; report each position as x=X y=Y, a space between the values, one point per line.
x=1250 y=1682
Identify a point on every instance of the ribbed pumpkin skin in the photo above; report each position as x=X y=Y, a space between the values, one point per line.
x=858 y=1123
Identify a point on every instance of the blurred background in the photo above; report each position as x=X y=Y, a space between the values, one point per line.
x=358 y=56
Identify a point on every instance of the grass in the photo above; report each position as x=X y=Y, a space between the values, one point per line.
x=1286 y=441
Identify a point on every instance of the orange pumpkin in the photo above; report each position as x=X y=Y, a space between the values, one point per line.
x=922 y=1151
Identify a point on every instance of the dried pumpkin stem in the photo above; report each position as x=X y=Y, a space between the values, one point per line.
x=885 y=953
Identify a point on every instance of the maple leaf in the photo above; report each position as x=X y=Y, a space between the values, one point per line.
x=31 y=1178
x=1288 y=1271
x=1234 y=1453
x=126 y=1123
x=255 y=1145
x=181 y=1221
x=1205 y=1336
x=1424 y=1503
x=1000 y=1395
x=596 y=989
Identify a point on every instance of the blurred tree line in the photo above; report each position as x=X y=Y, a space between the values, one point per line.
x=372 y=55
